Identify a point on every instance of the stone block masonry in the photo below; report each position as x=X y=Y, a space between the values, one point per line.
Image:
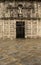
x=11 y=12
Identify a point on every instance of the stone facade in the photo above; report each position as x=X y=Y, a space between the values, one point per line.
x=11 y=12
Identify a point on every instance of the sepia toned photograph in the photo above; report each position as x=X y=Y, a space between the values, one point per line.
x=20 y=32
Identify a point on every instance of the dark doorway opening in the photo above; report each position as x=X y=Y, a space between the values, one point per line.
x=20 y=29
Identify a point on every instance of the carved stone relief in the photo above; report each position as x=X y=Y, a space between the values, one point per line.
x=25 y=9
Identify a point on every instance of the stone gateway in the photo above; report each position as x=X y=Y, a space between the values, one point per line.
x=20 y=19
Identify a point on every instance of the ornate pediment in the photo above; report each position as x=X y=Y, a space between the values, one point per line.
x=20 y=10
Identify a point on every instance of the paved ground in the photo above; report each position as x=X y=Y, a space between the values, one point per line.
x=20 y=52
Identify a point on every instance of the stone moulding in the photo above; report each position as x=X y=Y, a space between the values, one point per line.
x=24 y=18
x=19 y=0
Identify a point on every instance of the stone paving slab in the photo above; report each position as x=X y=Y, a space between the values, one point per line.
x=20 y=52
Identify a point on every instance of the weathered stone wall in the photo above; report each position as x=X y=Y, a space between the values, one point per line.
x=31 y=28
x=32 y=25
x=7 y=29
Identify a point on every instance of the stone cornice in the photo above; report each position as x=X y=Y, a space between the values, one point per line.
x=19 y=0
x=24 y=18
